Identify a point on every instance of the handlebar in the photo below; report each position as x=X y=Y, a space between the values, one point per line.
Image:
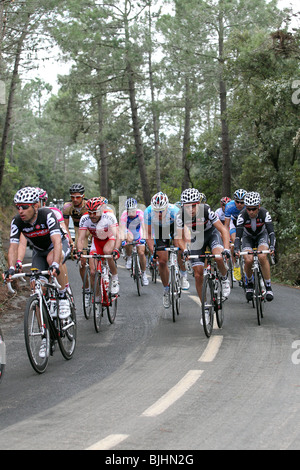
x=96 y=256
x=207 y=255
x=252 y=252
x=31 y=274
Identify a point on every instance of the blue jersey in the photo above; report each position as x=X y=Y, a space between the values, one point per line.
x=162 y=228
x=231 y=211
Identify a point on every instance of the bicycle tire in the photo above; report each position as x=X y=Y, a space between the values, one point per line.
x=2 y=355
x=207 y=305
x=178 y=292
x=112 y=309
x=257 y=296
x=68 y=333
x=136 y=274
x=97 y=306
x=173 y=292
x=219 y=304
x=230 y=272
x=33 y=336
x=87 y=291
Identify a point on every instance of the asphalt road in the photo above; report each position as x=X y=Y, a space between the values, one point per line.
x=148 y=383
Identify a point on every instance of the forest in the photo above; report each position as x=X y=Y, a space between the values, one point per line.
x=159 y=95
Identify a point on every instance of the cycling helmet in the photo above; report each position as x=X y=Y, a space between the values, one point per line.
x=42 y=194
x=159 y=202
x=239 y=194
x=27 y=195
x=130 y=204
x=190 y=195
x=225 y=200
x=76 y=188
x=252 y=199
x=95 y=203
x=203 y=198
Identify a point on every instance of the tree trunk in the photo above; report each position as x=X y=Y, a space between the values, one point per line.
x=138 y=140
x=10 y=101
x=186 y=136
x=103 y=170
x=226 y=161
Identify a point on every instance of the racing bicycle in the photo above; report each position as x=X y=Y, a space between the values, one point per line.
x=212 y=295
x=102 y=298
x=259 y=291
x=43 y=326
x=136 y=272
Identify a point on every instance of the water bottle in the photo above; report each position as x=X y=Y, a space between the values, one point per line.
x=52 y=308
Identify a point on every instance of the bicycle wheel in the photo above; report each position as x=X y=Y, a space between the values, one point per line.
x=178 y=292
x=112 y=309
x=257 y=296
x=207 y=306
x=97 y=303
x=37 y=341
x=136 y=274
x=68 y=332
x=230 y=272
x=218 y=302
x=173 y=292
x=87 y=293
x=2 y=355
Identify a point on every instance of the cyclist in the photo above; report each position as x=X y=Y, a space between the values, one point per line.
x=159 y=219
x=102 y=224
x=50 y=246
x=221 y=210
x=199 y=226
x=43 y=197
x=255 y=225
x=232 y=210
x=75 y=209
x=132 y=229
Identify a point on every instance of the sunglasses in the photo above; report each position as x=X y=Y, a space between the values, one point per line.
x=251 y=209
x=24 y=207
x=94 y=213
x=76 y=197
x=239 y=202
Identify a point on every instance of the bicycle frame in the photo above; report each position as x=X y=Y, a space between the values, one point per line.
x=174 y=280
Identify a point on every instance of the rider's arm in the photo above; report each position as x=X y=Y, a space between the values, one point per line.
x=149 y=239
x=57 y=248
x=224 y=233
x=81 y=239
x=22 y=248
x=12 y=254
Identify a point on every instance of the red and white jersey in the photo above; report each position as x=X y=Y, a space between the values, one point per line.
x=103 y=229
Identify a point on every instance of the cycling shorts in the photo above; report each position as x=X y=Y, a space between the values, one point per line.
x=39 y=258
x=249 y=242
x=212 y=239
x=98 y=245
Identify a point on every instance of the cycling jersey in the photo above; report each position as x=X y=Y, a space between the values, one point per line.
x=40 y=232
x=231 y=211
x=133 y=223
x=164 y=228
x=75 y=212
x=221 y=214
x=254 y=228
x=101 y=229
x=201 y=228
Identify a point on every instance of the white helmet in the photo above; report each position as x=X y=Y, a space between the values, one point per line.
x=252 y=199
x=27 y=195
x=130 y=203
x=159 y=202
x=190 y=195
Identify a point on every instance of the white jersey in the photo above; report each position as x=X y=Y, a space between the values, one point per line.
x=103 y=229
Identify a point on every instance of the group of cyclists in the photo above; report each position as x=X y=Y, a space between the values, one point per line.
x=190 y=224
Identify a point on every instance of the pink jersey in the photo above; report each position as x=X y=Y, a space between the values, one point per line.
x=133 y=223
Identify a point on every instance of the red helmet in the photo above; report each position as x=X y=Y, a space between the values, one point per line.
x=95 y=203
x=225 y=199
